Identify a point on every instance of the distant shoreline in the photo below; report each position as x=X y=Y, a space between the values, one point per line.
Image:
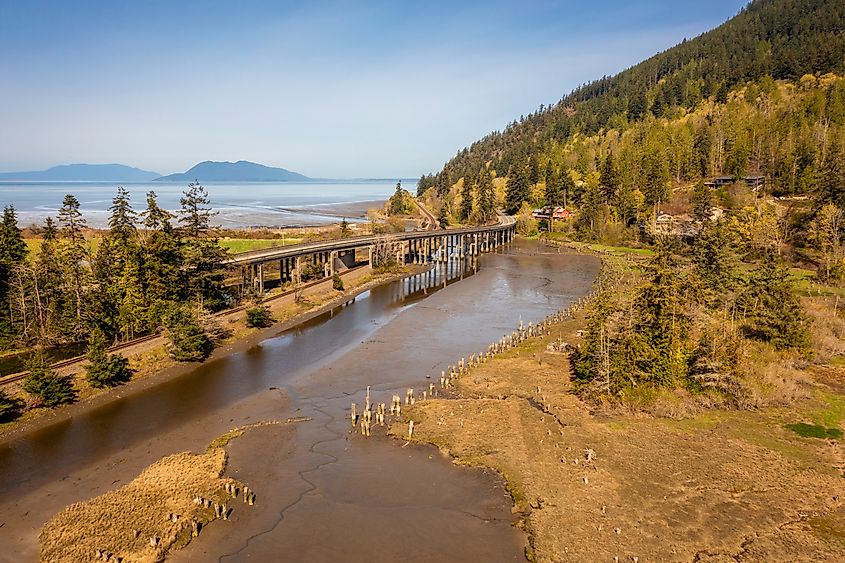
x=242 y=217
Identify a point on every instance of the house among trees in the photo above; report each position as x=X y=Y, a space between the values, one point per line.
x=753 y=182
x=556 y=213
x=678 y=226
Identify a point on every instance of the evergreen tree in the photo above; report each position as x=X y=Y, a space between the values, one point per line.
x=154 y=217
x=773 y=312
x=195 y=214
x=661 y=320
x=486 y=197
x=591 y=216
x=43 y=383
x=117 y=268
x=13 y=251
x=518 y=188
x=825 y=235
x=10 y=407
x=400 y=203
x=466 y=199
x=702 y=146
x=548 y=176
x=47 y=287
x=122 y=219
x=567 y=187
x=13 y=248
x=73 y=255
x=830 y=180
x=203 y=272
x=345 y=231
x=609 y=178
x=202 y=256
x=162 y=259
x=533 y=170
x=104 y=369
x=187 y=341
x=443 y=216
x=702 y=202
x=260 y=317
x=714 y=259
x=554 y=187
x=656 y=176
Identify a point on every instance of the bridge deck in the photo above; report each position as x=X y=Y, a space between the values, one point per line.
x=293 y=250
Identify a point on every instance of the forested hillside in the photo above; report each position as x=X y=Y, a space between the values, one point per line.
x=757 y=95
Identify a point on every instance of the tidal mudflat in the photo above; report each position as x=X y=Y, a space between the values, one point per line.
x=351 y=495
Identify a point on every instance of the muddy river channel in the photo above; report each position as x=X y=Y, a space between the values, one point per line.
x=324 y=493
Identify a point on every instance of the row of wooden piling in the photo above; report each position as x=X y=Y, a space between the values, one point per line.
x=376 y=413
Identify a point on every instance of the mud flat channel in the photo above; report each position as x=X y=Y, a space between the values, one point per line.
x=323 y=493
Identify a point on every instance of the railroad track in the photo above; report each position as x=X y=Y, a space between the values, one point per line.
x=262 y=255
x=140 y=340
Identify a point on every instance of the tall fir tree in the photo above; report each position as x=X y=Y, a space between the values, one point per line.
x=13 y=251
x=466 y=199
x=533 y=170
x=162 y=258
x=195 y=214
x=73 y=257
x=518 y=188
x=702 y=202
x=554 y=187
x=202 y=256
x=486 y=196
x=609 y=178
x=772 y=310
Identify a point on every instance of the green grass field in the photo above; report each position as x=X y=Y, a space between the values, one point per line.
x=233 y=245
x=238 y=245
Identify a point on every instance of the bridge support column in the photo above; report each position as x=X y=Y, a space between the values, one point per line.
x=261 y=278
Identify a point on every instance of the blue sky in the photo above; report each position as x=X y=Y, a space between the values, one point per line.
x=330 y=89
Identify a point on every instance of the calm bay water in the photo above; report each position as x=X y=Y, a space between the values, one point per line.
x=239 y=205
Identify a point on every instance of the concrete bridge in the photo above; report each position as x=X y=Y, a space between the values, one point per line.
x=290 y=264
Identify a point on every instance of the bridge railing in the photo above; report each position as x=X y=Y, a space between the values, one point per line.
x=299 y=249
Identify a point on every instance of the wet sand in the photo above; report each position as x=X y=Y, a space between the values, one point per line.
x=322 y=492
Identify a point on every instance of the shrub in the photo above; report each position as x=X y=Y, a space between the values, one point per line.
x=187 y=341
x=258 y=317
x=337 y=282
x=43 y=383
x=10 y=407
x=104 y=369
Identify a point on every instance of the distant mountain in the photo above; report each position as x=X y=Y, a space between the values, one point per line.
x=241 y=171
x=83 y=173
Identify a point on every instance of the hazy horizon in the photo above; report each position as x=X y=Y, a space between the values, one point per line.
x=336 y=90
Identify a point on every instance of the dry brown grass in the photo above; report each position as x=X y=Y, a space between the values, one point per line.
x=714 y=485
x=107 y=522
x=828 y=327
